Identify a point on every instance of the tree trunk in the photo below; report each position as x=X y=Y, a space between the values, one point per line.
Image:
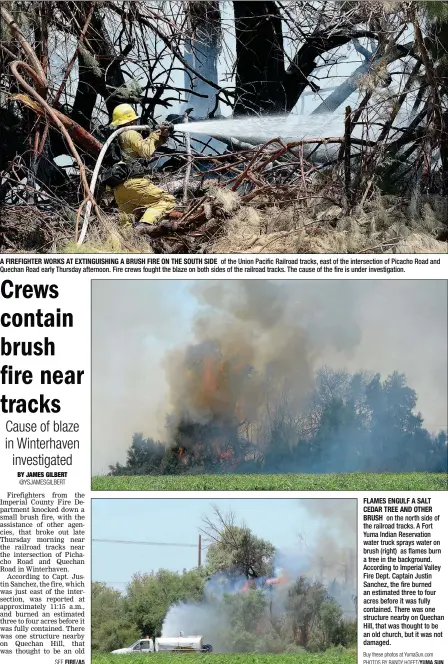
x=441 y=48
x=260 y=68
x=86 y=95
x=90 y=83
x=201 y=52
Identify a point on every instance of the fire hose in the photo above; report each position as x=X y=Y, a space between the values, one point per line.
x=96 y=171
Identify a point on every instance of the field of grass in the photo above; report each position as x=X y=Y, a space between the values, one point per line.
x=289 y=482
x=333 y=656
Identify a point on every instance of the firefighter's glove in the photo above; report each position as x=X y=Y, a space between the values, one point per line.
x=115 y=175
x=166 y=129
x=102 y=133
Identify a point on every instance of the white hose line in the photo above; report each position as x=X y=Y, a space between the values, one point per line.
x=188 y=152
x=96 y=171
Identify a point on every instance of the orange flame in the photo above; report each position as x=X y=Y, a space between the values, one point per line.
x=219 y=385
x=227 y=454
x=215 y=387
x=227 y=460
x=211 y=373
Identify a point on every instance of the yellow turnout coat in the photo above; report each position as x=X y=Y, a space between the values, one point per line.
x=140 y=195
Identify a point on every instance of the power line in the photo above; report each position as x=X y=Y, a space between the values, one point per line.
x=113 y=541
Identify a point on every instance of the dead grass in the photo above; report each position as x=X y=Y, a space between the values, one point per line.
x=110 y=238
x=27 y=229
x=319 y=225
x=315 y=224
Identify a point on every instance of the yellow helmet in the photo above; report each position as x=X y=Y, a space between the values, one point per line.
x=122 y=114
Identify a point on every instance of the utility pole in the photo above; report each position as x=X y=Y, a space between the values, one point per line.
x=199 y=550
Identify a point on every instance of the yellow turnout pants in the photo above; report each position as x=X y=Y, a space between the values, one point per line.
x=140 y=195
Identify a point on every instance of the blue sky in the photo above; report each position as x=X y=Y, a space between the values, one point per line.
x=134 y=324
x=178 y=520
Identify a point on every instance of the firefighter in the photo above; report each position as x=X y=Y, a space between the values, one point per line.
x=133 y=190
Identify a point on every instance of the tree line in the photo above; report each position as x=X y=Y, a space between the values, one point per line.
x=348 y=423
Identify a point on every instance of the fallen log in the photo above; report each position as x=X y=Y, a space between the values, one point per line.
x=165 y=228
x=79 y=135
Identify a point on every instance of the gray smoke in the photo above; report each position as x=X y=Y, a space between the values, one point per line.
x=285 y=330
x=328 y=555
x=130 y=320
x=333 y=554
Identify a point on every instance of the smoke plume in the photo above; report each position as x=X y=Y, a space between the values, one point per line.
x=247 y=337
x=242 y=344
x=262 y=340
x=327 y=555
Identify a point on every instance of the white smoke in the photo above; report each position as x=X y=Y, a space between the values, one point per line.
x=329 y=557
x=193 y=619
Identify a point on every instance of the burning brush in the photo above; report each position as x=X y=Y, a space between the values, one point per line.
x=211 y=407
x=217 y=383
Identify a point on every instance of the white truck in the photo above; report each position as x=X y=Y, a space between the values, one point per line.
x=143 y=645
x=167 y=644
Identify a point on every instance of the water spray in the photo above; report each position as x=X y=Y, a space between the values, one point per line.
x=292 y=127
x=254 y=130
x=261 y=129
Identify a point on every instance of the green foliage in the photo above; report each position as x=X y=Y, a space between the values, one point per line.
x=332 y=625
x=143 y=457
x=246 y=619
x=285 y=482
x=351 y=631
x=316 y=619
x=304 y=604
x=111 y=628
x=149 y=596
x=270 y=642
x=330 y=657
x=249 y=626
x=293 y=648
x=436 y=10
x=330 y=629
x=245 y=610
x=349 y=423
x=246 y=622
